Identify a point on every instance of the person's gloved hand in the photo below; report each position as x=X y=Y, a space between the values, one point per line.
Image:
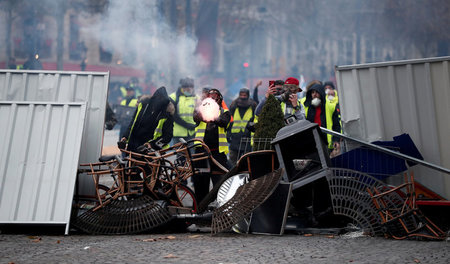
x=145 y=148
x=122 y=144
x=251 y=126
x=109 y=125
x=191 y=126
x=197 y=116
x=156 y=144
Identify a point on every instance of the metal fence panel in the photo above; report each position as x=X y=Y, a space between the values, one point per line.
x=62 y=86
x=382 y=100
x=38 y=160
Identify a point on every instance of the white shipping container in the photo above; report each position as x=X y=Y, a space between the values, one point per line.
x=381 y=100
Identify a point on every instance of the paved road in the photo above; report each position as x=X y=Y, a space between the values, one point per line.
x=225 y=248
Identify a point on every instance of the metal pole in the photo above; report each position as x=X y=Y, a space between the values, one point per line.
x=388 y=151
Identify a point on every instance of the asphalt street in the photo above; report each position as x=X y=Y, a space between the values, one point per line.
x=201 y=247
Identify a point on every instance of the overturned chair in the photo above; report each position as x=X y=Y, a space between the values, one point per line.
x=400 y=216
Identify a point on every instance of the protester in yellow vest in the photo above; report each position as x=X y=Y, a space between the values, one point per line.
x=320 y=111
x=243 y=112
x=152 y=125
x=214 y=135
x=128 y=104
x=184 y=100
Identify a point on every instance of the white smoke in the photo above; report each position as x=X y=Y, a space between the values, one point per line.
x=136 y=32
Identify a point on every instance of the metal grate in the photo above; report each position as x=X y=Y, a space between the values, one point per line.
x=124 y=217
x=248 y=144
x=350 y=198
x=247 y=198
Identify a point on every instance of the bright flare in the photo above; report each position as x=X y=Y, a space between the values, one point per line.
x=209 y=109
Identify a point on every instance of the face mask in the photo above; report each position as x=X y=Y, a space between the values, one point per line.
x=330 y=97
x=327 y=91
x=187 y=92
x=315 y=102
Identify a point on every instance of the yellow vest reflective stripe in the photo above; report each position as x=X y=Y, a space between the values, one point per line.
x=134 y=121
x=255 y=120
x=223 y=143
x=239 y=123
x=123 y=91
x=132 y=103
x=329 y=110
x=159 y=130
x=185 y=107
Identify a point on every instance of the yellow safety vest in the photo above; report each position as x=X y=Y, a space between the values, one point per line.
x=223 y=143
x=239 y=123
x=185 y=107
x=329 y=110
x=132 y=103
x=302 y=100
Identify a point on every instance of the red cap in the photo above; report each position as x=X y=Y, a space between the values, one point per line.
x=292 y=80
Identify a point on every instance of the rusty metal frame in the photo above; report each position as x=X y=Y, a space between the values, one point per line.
x=158 y=172
x=401 y=217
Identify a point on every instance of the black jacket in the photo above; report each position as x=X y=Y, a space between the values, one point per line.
x=153 y=109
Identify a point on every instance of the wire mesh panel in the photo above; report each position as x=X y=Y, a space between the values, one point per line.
x=350 y=198
x=249 y=144
x=124 y=217
x=247 y=198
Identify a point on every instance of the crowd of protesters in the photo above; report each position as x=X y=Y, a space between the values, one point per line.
x=320 y=104
x=158 y=121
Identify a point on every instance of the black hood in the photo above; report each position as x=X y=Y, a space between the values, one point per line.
x=159 y=100
x=318 y=88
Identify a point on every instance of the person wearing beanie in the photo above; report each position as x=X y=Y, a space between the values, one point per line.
x=243 y=111
x=287 y=96
x=320 y=111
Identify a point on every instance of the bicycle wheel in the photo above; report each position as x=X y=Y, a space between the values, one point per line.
x=186 y=197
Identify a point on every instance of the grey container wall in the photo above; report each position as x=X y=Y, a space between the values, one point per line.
x=62 y=86
x=382 y=100
x=39 y=157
